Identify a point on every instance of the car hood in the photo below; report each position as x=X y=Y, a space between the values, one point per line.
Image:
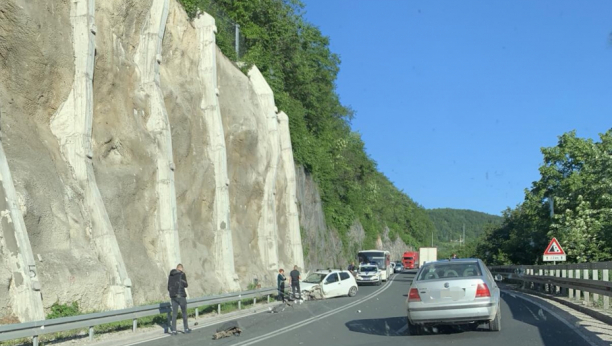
x=306 y=286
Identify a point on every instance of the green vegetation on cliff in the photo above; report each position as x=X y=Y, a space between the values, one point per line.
x=576 y=176
x=295 y=58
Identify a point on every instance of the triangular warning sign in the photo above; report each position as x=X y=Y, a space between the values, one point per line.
x=554 y=248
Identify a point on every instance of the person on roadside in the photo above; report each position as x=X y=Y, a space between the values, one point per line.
x=454 y=256
x=280 y=282
x=295 y=282
x=177 y=282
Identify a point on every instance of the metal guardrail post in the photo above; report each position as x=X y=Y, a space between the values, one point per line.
x=606 y=299
x=595 y=295
x=35 y=340
x=577 y=292
x=134 y=325
x=239 y=305
x=585 y=275
x=254 y=301
x=571 y=290
x=219 y=309
x=91 y=333
x=197 y=313
x=268 y=299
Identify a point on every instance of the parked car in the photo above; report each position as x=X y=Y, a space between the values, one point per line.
x=368 y=274
x=458 y=291
x=399 y=267
x=329 y=283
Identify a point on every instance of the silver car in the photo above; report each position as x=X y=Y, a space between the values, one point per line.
x=457 y=291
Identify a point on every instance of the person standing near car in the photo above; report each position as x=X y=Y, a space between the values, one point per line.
x=177 y=282
x=295 y=282
x=280 y=282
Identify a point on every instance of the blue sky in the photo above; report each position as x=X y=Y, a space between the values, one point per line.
x=454 y=99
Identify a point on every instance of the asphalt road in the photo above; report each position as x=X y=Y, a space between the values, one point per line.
x=376 y=316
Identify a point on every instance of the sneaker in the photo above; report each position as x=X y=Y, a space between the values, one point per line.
x=187 y=331
x=173 y=333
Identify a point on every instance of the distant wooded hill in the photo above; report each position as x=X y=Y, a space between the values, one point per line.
x=449 y=223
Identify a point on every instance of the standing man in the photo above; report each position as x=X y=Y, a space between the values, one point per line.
x=295 y=282
x=177 y=282
x=280 y=282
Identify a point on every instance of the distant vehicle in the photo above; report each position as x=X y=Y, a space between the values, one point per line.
x=460 y=291
x=410 y=260
x=368 y=274
x=427 y=254
x=399 y=267
x=380 y=258
x=329 y=283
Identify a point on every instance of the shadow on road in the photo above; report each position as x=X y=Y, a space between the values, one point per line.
x=378 y=326
x=396 y=326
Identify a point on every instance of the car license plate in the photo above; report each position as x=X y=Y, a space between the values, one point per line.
x=453 y=294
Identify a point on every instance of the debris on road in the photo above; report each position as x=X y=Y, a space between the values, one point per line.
x=280 y=308
x=228 y=329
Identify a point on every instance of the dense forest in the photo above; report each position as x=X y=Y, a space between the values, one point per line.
x=450 y=222
x=572 y=201
x=295 y=58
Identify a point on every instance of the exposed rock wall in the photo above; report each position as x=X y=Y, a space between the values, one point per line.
x=134 y=144
x=267 y=230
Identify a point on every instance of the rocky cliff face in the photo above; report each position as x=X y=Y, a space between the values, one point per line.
x=130 y=144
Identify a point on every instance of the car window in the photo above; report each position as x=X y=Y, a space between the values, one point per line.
x=435 y=271
x=344 y=276
x=332 y=278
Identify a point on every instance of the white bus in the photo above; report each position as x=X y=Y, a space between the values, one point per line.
x=379 y=257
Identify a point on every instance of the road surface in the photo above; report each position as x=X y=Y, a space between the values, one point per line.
x=376 y=316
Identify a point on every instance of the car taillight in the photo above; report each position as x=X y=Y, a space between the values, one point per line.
x=414 y=296
x=482 y=291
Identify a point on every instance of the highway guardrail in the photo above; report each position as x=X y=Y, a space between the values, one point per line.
x=37 y=328
x=577 y=281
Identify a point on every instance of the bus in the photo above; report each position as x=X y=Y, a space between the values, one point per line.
x=379 y=257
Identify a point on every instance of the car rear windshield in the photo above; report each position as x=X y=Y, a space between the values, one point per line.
x=368 y=269
x=408 y=258
x=442 y=270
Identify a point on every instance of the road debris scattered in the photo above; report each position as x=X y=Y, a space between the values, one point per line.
x=228 y=329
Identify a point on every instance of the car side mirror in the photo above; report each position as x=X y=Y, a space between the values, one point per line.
x=498 y=277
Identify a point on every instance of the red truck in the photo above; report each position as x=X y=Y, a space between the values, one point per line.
x=410 y=260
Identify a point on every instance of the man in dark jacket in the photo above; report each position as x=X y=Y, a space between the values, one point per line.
x=295 y=283
x=177 y=282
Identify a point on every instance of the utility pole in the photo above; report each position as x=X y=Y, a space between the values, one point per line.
x=431 y=239
x=463 y=241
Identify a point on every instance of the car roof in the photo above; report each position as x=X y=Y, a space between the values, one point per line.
x=462 y=260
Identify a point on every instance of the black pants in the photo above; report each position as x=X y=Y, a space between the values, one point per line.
x=182 y=302
x=281 y=292
x=295 y=289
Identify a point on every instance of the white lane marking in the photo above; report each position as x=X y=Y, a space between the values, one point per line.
x=532 y=313
x=403 y=329
x=555 y=315
x=313 y=319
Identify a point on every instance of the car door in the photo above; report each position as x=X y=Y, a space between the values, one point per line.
x=346 y=283
x=332 y=285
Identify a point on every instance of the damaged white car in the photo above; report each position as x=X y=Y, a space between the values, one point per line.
x=327 y=284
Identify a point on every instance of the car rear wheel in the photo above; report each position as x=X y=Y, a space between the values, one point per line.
x=353 y=291
x=414 y=329
x=495 y=324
